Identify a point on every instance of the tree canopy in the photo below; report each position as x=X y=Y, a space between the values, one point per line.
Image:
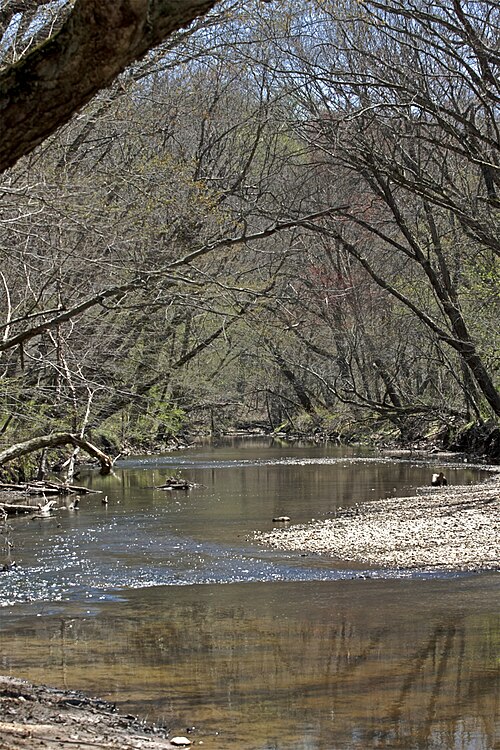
x=282 y=214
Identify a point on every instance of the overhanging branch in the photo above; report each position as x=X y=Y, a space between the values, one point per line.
x=53 y=441
x=98 y=41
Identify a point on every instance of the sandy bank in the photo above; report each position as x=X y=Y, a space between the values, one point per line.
x=455 y=528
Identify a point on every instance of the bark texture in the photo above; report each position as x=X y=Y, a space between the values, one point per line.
x=98 y=40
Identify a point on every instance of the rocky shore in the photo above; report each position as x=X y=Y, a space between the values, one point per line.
x=43 y=718
x=445 y=528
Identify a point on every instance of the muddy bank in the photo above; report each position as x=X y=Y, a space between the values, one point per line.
x=38 y=717
x=452 y=528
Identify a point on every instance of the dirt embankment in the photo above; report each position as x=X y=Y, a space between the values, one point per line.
x=454 y=528
x=41 y=718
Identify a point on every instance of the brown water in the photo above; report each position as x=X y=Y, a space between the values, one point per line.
x=159 y=602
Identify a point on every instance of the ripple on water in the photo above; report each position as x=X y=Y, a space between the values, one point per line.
x=86 y=579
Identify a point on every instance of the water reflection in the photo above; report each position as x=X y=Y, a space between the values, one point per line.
x=352 y=664
x=289 y=653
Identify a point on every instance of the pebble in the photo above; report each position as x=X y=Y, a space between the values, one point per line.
x=454 y=528
x=180 y=741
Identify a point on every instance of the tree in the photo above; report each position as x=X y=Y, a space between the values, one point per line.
x=91 y=45
x=402 y=102
x=124 y=239
x=293 y=210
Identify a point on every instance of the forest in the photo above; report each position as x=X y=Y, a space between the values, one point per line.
x=284 y=216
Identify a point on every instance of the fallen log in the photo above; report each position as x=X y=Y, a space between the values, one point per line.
x=65 y=489
x=30 y=490
x=15 y=508
x=47 y=488
x=52 y=441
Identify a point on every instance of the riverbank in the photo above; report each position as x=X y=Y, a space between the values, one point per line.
x=449 y=528
x=37 y=717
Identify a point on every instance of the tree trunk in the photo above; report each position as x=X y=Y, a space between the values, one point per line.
x=97 y=41
x=52 y=441
x=297 y=386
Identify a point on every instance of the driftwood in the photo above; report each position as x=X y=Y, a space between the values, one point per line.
x=52 y=441
x=15 y=508
x=56 y=488
x=45 y=488
x=174 y=483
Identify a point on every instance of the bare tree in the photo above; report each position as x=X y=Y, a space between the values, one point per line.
x=402 y=104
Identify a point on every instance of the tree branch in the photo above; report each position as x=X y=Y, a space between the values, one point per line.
x=52 y=441
x=97 y=41
x=64 y=315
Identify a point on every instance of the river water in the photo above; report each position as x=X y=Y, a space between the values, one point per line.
x=161 y=602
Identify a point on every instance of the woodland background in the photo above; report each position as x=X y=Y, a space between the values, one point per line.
x=284 y=216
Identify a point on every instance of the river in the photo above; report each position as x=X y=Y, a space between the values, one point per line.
x=161 y=602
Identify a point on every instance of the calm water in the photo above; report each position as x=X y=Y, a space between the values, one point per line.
x=160 y=602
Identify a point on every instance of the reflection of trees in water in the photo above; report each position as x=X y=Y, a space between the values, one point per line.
x=411 y=686
x=442 y=696
x=433 y=657
x=400 y=684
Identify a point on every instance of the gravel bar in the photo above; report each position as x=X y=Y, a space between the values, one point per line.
x=450 y=528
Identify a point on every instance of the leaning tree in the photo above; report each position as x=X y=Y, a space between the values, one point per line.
x=72 y=56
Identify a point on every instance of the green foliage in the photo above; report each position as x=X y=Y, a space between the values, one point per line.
x=152 y=428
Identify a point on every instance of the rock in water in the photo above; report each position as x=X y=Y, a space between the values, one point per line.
x=180 y=741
